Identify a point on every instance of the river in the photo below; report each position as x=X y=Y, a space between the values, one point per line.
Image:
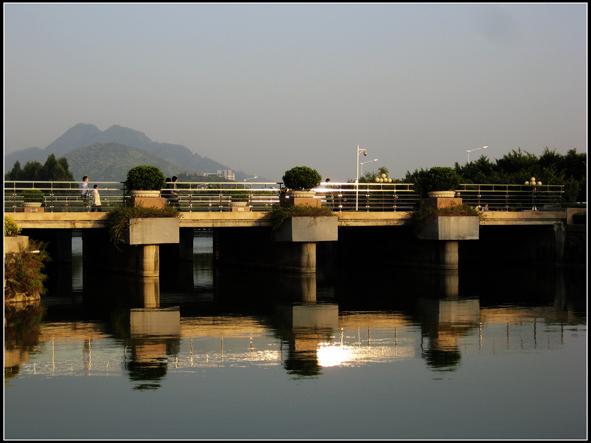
x=369 y=352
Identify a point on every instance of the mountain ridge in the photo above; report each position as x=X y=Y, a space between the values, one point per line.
x=85 y=134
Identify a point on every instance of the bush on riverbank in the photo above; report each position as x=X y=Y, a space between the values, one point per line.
x=22 y=271
x=11 y=228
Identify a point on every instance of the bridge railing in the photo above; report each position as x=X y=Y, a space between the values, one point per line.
x=512 y=197
x=63 y=196
x=262 y=196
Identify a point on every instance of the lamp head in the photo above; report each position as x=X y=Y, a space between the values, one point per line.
x=365 y=152
x=484 y=147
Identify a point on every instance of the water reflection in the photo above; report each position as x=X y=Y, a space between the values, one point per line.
x=22 y=328
x=344 y=317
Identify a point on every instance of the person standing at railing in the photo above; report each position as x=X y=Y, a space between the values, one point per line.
x=84 y=192
x=329 y=199
x=174 y=194
x=96 y=203
x=165 y=194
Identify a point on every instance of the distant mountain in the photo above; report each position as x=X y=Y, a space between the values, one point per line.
x=83 y=135
x=74 y=138
x=111 y=161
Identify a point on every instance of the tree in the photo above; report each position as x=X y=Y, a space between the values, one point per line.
x=53 y=170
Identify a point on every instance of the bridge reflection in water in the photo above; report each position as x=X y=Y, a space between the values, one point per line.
x=344 y=317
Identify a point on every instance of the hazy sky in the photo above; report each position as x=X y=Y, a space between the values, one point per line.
x=266 y=87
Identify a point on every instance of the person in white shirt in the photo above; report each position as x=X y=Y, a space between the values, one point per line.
x=96 y=204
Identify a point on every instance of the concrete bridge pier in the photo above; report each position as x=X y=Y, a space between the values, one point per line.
x=256 y=247
x=448 y=254
x=98 y=251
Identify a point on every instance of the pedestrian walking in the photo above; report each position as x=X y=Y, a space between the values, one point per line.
x=96 y=204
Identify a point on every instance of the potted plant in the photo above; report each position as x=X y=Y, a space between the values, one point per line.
x=144 y=178
x=33 y=198
x=438 y=182
x=300 y=180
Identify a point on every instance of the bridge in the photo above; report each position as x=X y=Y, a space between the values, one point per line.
x=375 y=207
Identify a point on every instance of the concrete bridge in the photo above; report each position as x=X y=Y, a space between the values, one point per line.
x=247 y=239
x=93 y=220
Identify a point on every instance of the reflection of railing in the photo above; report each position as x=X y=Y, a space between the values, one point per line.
x=350 y=345
x=212 y=197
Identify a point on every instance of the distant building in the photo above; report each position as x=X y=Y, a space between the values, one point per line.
x=224 y=173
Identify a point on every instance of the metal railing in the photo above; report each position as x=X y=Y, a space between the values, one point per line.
x=63 y=196
x=218 y=197
x=512 y=197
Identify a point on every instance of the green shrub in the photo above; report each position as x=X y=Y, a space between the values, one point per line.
x=437 y=179
x=11 y=228
x=120 y=216
x=33 y=196
x=280 y=214
x=301 y=178
x=22 y=270
x=145 y=178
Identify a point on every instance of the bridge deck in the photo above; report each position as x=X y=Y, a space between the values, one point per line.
x=86 y=220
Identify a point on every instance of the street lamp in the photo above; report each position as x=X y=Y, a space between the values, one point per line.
x=357 y=179
x=470 y=150
x=251 y=178
x=370 y=161
x=532 y=182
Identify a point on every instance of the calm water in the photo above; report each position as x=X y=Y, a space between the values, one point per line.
x=361 y=353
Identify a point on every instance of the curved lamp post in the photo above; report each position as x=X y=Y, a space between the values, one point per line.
x=357 y=179
x=370 y=161
x=251 y=178
x=476 y=149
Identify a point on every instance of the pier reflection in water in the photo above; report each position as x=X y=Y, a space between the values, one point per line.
x=369 y=352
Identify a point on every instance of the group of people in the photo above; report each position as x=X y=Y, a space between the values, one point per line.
x=96 y=197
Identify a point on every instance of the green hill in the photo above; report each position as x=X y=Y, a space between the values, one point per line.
x=111 y=161
x=84 y=134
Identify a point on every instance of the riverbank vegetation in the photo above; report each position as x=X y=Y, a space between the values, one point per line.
x=519 y=166
x=23 y=271
x=11 y=228
x=516 y=167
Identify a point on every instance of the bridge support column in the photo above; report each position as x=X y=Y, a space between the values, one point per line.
x=256 y=247
x=448 y=254
x=100 y=252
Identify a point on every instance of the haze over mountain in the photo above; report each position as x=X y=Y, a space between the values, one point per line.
x=111 y=161
x=88 y=135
